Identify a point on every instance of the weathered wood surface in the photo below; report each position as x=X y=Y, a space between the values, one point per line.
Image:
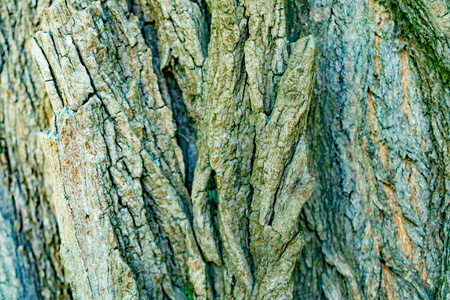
x=183 y=138
x=30 y=267
x=377 y=133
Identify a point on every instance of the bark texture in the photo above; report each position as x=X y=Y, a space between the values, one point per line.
x=178 y=149
x=30 y=267
x=123 y=210
x=377 y=220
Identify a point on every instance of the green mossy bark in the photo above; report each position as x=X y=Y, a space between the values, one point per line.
x=133 y=92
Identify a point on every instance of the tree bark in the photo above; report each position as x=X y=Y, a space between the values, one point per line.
x=376 y=221
x=30 y=267
x=178 y=149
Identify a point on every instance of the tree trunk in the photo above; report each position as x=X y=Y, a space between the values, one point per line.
x=258 y=149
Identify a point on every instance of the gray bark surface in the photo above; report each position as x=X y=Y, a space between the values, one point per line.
x=224 y=149
x=377 y=219
x=30 y=267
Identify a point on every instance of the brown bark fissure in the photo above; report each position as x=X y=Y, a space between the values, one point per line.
x=429 y=30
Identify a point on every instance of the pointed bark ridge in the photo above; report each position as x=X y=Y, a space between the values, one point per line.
x=280 y=178
x=247 y=57
x=122 y=207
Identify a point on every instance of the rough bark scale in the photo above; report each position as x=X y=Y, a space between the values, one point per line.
x=116 y=162
x=30 y=267
x=182 y=148
x=377 y=127
x=122 y=208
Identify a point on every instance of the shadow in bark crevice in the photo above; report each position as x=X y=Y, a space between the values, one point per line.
x=185 y=131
